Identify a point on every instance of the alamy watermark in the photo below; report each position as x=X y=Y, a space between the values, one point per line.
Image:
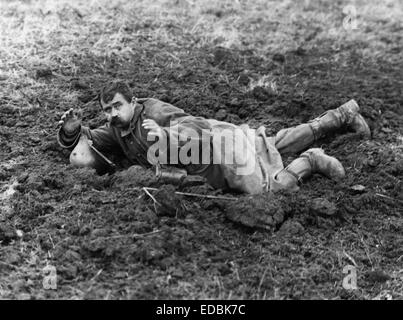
x=49 y=281
x=350 y=20
x=350 y=280
x=185 y=145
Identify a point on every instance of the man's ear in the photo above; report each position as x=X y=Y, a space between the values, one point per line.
x=134 y=100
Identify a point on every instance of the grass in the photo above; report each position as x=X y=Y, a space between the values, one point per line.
x=146 y=43
x=65 y=35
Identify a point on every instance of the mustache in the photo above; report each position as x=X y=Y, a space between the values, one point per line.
x=115 y=120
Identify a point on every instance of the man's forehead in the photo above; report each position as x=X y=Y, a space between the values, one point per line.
x=117 y=98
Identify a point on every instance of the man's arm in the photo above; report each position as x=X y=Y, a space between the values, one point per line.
x=161 y=112
x=103 y=138
x=69 y=133
x=173 y=124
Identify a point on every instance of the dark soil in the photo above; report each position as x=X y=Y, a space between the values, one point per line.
x=108 y=239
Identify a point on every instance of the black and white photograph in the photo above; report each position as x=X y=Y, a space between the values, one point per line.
x=200 y=150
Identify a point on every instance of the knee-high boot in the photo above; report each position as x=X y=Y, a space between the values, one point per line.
x=311 y=161
x=296 y=139
x=346 y=116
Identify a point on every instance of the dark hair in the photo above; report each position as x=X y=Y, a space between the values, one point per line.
x=108 y=92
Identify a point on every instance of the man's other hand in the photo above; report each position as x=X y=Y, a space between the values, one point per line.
x=69 y=122
x=155 y=129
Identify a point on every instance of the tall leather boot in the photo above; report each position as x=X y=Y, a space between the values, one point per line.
x=311 y=161
x=345 y=116
x=296 y=139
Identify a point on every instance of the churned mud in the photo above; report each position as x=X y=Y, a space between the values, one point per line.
x=108 y=238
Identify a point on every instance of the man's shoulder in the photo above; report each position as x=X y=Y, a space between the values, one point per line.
x=151 y=102
x=154 y=106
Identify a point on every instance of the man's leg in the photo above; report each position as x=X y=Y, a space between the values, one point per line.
x=311 y=161
x=296 y=139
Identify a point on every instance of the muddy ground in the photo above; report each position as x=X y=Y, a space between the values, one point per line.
x=258 y=62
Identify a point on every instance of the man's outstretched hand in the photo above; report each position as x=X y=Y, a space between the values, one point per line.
x=69 y=122
x=154 y=129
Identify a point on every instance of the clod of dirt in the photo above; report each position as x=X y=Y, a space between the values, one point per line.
x=68 y=272
x=42 y=73
x=377 y=276
x=135 y=176
x=84 y=230
x=4 y=175
x=5 y=197
x=262 y=211
x=235 y=103
x=218 y=13
x=19 y=285
x=79 y=84
x=223 y=57
x=13 y=258
x=396 y=168
x=221 y=114
x=300 y=51
x=7 y=234
x=322 y=207
x=99 y=233
x=358 y=188
x=278 y=57
x=86 y=97
x=220 y=54
x=169 y=202
x=243 y=79
x=34 y=181
x=262 y=93
x=72 y=255
x=291 y=227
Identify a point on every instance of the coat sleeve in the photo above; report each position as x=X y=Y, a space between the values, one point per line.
x=181 y=127
x=161 y=112
x=103 y=138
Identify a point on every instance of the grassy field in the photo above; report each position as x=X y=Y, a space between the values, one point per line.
x=277 y=63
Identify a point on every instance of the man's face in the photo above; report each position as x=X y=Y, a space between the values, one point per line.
x=119 y=112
